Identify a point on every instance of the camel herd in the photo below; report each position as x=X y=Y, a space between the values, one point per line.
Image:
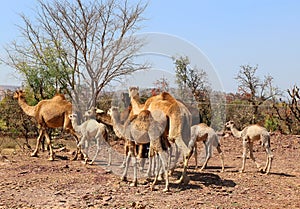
x=161 y=121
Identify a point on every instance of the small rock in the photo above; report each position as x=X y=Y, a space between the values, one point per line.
x=107 y=198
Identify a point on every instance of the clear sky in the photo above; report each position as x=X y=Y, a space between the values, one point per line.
x=230 y=33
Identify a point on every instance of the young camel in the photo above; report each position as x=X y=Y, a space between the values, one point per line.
x=249 y=135
x=179 y=121
x=206 y=134
x=102 y=117
x=90 y=130
x=143 y=128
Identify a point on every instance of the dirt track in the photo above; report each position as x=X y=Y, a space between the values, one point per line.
x=27 y=182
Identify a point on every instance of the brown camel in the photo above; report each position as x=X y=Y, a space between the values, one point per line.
x=249 y=135
x=179 y=121
x=48 y=113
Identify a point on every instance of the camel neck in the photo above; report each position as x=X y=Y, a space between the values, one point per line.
x=236 y=133
x=28 y=110
x=136 y=105
x=118 y=128
x=75 y=125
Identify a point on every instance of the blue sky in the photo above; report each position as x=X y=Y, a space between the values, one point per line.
x=230 y=33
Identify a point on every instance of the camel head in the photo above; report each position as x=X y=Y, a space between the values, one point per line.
x=229 y=124
x=133 y=91
x=19 y=94
x=91 y=112
x=112 y=110
x=72 y=117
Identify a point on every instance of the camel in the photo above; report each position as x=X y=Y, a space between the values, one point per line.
x=48 y=113
x=179 y=121
x=89 y=130
x=206 y=134
x=249 y=135
x=102 y=117
x=143 y=128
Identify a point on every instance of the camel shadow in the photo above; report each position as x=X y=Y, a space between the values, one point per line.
x=206 y=179
x=209 y=179
x=283 y=174
x=263 y=173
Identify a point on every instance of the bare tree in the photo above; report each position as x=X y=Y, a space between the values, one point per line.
x=94 y=42
x=255 y=90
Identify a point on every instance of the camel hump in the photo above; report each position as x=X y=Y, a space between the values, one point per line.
x=58 y=97
x=166 y=96
x=144 y=115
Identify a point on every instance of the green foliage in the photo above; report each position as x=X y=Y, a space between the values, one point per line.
x=271 y=123
x=45 y=74
x=14 y=122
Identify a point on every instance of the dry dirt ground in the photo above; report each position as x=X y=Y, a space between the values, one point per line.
x=27 y=182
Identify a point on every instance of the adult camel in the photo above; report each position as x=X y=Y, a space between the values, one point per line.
x=48 y=113
x=179 y=122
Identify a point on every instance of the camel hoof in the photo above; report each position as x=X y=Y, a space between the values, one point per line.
x=133 y=184
x=160 y=178
x=123 y=178
x=166 y=190
x=51 y=159
x=34 y=154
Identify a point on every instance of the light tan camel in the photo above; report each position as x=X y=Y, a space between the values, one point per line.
x=143 y=128
x=179 y=121
x=49 y=113
x=102 y=117
x=249 y=135
x=89 y=130
x=202 y=132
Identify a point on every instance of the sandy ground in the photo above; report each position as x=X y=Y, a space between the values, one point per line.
x=35 y=182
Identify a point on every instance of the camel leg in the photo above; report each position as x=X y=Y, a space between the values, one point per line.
x=98 y=141
x=164 y=167
x=267 y=168
x=252 y=156
x=38 y=141
x=141 y=159
x=126 y=150
x=157 y=168
x=173 y=166
x=131 y=153
x=78 y=150
x=184 y=178
x=196 y=155
x=207 y=157
x=134 y=162
x=221 y=156
x=186 y=156
x=127 y=161
x=48 y=140
x=84 y=142
x=151 y=162
x=245 y=150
